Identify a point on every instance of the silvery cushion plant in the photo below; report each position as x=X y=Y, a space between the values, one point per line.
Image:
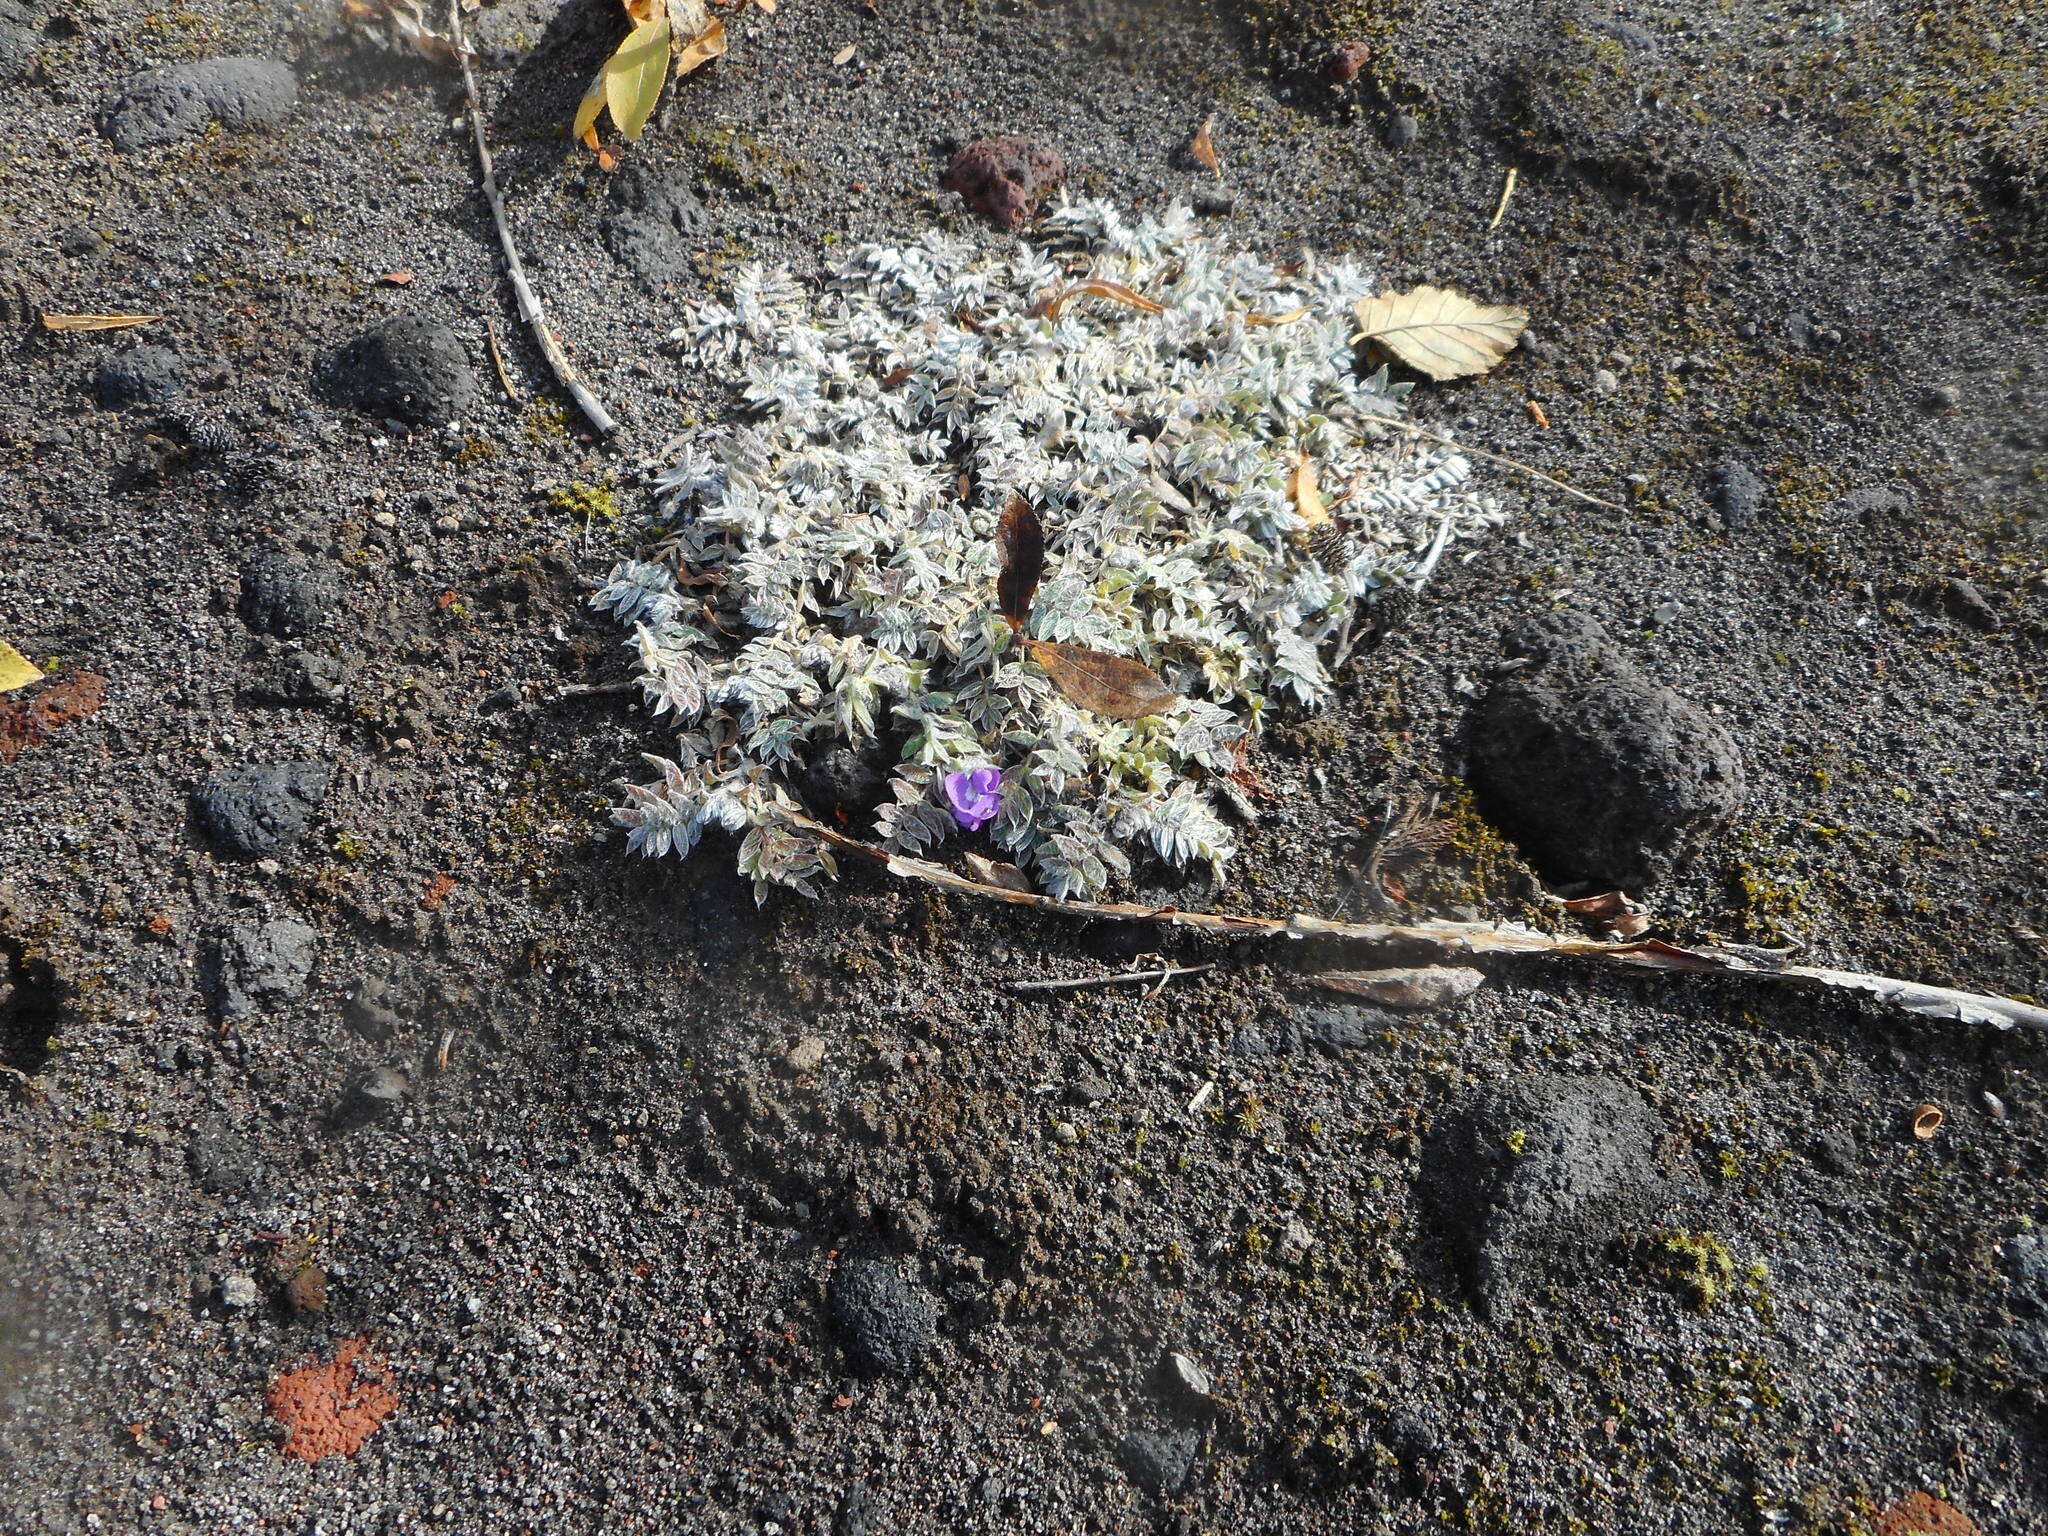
x=828 y=574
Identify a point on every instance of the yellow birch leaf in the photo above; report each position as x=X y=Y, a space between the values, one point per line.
x=16 y=670
x=587 y=110
x=701 y=49
x=1440 y=332
x=633 y=76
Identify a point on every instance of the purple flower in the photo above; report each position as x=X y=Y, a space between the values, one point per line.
x=972 y=792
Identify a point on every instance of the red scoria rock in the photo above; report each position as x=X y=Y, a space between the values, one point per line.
x=1002 y=178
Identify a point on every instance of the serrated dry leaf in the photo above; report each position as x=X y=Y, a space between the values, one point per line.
x=1439 y=332
x=845 y=54
x=701 y=49
x=1049 y=308
x=1021 y=537
x=1004 y=877
x=16 y=670
x=1308 y=497
x=95 y=322
x=1115 y=686
x=1292 y=315
x=1418 y=989
x=634 y=76
x=1203 y=148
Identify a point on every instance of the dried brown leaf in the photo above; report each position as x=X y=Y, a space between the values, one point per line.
x=1292 y=315
x=399 y=279
x=1022 y=539
x=1115 y=686
x=1439 y=332
x=1307 y=495
x=95 y=322
x=845 y=55
x=701 y=49
x=1004 y=877
x=1418 y=989
x=1610 y=912
x=1095 y=288
x=1203 y=148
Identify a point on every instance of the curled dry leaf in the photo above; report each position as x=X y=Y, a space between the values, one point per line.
x=16 y=670
x=1289 y=318
x=1005 y=877
x=701 y=49
x=1416 y=989
x=1202 y=148
x=399 y=24
x=1610 y=912
x=1927 y=1120
x=1115 y=686
x=1307 y=496
x=1022 y=538
x=1439 y=332
x=95 y=322
x=1049 y=308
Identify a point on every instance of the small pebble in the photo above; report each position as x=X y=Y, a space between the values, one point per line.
x=806 y=1056
x=1064 y=1133
x=238 y=1293
x=1605 y=381
x=1402 y=130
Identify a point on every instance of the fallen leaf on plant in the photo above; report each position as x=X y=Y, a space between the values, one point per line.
x=1417 y=989
x=1049 y=308
x=95 y=322
x=634 y=76
x=1308 y=497
x=1115 y=686
x=1439 y=332
x=16 y=670
x=1203 y=148
x=1289 y=318
x=1007 y=877
x=1022 y=539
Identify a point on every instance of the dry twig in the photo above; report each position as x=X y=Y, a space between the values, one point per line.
x=515 y=272
x=1076 y=983
x=1491 y=458
x=1476 y=939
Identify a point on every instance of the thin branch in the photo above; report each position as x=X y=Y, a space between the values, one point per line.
x=1474 y=939
x=498 y=361
x=1491 y=458
x=515 y=272
x=1076 y=983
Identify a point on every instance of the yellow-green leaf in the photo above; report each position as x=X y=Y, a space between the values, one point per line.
x=634 y=75
x=16 y=670
x=587 y=110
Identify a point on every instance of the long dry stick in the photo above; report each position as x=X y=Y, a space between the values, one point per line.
x=1477 y=939
x=1491 y=458
x=529 y=305
x=1079 y=983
